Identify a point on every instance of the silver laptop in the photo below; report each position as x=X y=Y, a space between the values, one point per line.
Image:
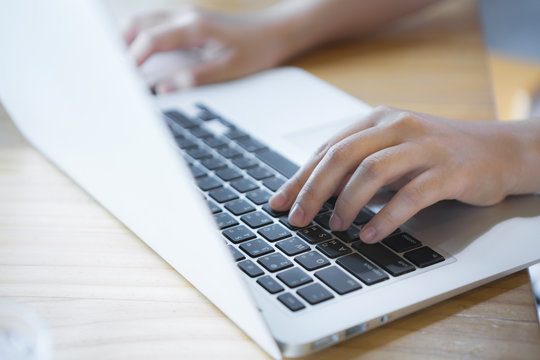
x=157 y=165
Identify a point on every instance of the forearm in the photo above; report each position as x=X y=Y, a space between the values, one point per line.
x=305 y=24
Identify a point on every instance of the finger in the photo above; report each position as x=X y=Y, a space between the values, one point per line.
x=376 y=171
x=131 y=26
x=183 y=33
x=181 y=80
x=339 y=161
x=423 y=191
x=287 y=193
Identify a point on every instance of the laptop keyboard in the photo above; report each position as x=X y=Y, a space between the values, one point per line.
x=300 y=267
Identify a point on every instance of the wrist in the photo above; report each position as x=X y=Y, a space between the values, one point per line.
x=525 y=176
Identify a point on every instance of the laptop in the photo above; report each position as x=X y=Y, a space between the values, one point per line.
x=190 y=174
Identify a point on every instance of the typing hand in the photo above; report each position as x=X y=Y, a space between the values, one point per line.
x=424 y=158
x=231 y=45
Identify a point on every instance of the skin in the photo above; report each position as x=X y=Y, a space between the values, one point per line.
x=258 y=40
x=424 y=158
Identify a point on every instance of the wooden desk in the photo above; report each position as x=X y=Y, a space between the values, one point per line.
x=106 y=295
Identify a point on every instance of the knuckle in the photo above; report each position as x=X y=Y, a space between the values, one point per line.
x=405 y=122
x=372 y=167
x=321 y=150
x=383 y=109
x=337 y=153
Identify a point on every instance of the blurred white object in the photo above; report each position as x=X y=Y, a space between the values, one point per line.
x=23 y=335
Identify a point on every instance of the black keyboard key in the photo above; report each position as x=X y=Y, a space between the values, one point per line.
x=362 y=269
x=337 y=280
x=312 y=260
x=197 y=172
x=185 y=143
x=349 y=235
x=256 y=248
x=424 y=257
x=181 y=119
x=250 y=268
x=273 y=212
x=277 y=162
x=225 y=220
x=214 y=163
x=274 y=232
x=363 y=217
x=200 y=132
x=235 y=133
x=315 y=294
x=176 y=129
x=244 y=185
x=383 y=257
x=230 y=152
x=314 y=234
x=215 y=141
x=259 y=173
x=251 y=144
x=213 y=207
x=228 y=174
x=324 y=208
x=291 y=302
x=293 y=246
x=333 y=248
x=401 y=242
x=222 y=195
x=205 y=114
x=273 y=183
x=294 y=277
x=239 y=207
x=256 y=219
x=198 y=153
x=274 y=262
x=245 y=162
x=324 y=219
x=207 y=183
x=259 y=196
x=239 y=234
x=269 y=284
x=237 y=255
x=331 y=203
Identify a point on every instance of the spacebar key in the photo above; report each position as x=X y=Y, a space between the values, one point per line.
x=279 y=163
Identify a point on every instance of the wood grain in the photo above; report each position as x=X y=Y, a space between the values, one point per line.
x=106 y=295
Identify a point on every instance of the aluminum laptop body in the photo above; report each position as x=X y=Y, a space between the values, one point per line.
x=67 y=84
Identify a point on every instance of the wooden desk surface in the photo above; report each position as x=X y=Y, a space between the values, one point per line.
x=106 y=295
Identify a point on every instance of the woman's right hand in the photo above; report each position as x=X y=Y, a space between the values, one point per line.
x=245 y=43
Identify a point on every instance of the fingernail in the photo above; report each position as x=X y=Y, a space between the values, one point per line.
x=335 y=222
x=296 y=217
x=278 y=199
x=368 y=234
